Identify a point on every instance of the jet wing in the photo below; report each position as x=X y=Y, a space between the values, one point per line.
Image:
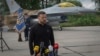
x=56 y=10
x=59 y=11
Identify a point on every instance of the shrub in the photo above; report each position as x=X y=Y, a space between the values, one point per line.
x=82 y=20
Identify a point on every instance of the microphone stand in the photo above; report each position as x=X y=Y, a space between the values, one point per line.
x=2 y=40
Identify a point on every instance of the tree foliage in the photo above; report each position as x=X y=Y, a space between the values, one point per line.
x=29 y=4
x=97 y=2
x=3 y=7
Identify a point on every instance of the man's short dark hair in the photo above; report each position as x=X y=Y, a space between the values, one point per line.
x=41 y=12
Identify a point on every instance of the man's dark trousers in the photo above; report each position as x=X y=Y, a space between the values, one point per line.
x=26 y=32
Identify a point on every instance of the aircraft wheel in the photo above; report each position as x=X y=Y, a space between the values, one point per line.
x=60 y=28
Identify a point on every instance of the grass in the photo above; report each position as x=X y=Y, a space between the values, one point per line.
x=82 y=20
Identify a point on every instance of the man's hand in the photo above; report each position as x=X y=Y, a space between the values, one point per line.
x=38 y=54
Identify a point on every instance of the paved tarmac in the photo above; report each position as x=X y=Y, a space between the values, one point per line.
x=74 y=41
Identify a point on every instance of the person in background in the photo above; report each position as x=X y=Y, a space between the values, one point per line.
x=27 y=24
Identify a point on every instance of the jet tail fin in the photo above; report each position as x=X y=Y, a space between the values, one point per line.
x=13 y=6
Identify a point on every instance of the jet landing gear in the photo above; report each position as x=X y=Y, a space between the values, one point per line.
x=60 y=28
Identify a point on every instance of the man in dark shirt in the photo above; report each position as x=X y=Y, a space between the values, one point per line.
x=41 y=32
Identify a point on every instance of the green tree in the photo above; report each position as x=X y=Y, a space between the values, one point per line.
x=97 y=2
x=58 y=1
x=48 y=3
x=3 y=7
x=29 y=4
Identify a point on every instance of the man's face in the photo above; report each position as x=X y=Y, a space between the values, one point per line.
x=42 y=18
x=26 y=16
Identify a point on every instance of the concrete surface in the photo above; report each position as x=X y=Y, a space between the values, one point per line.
x=74 y=41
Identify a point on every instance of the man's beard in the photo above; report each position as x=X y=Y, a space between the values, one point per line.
x=43 y=22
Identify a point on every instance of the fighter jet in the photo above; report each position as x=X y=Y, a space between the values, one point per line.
x=57 y=14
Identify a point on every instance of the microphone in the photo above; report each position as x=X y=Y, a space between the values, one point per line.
x=47 y=51
x=36 y=50
x=41 y=47
x=50 y=48
x=56 y=46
